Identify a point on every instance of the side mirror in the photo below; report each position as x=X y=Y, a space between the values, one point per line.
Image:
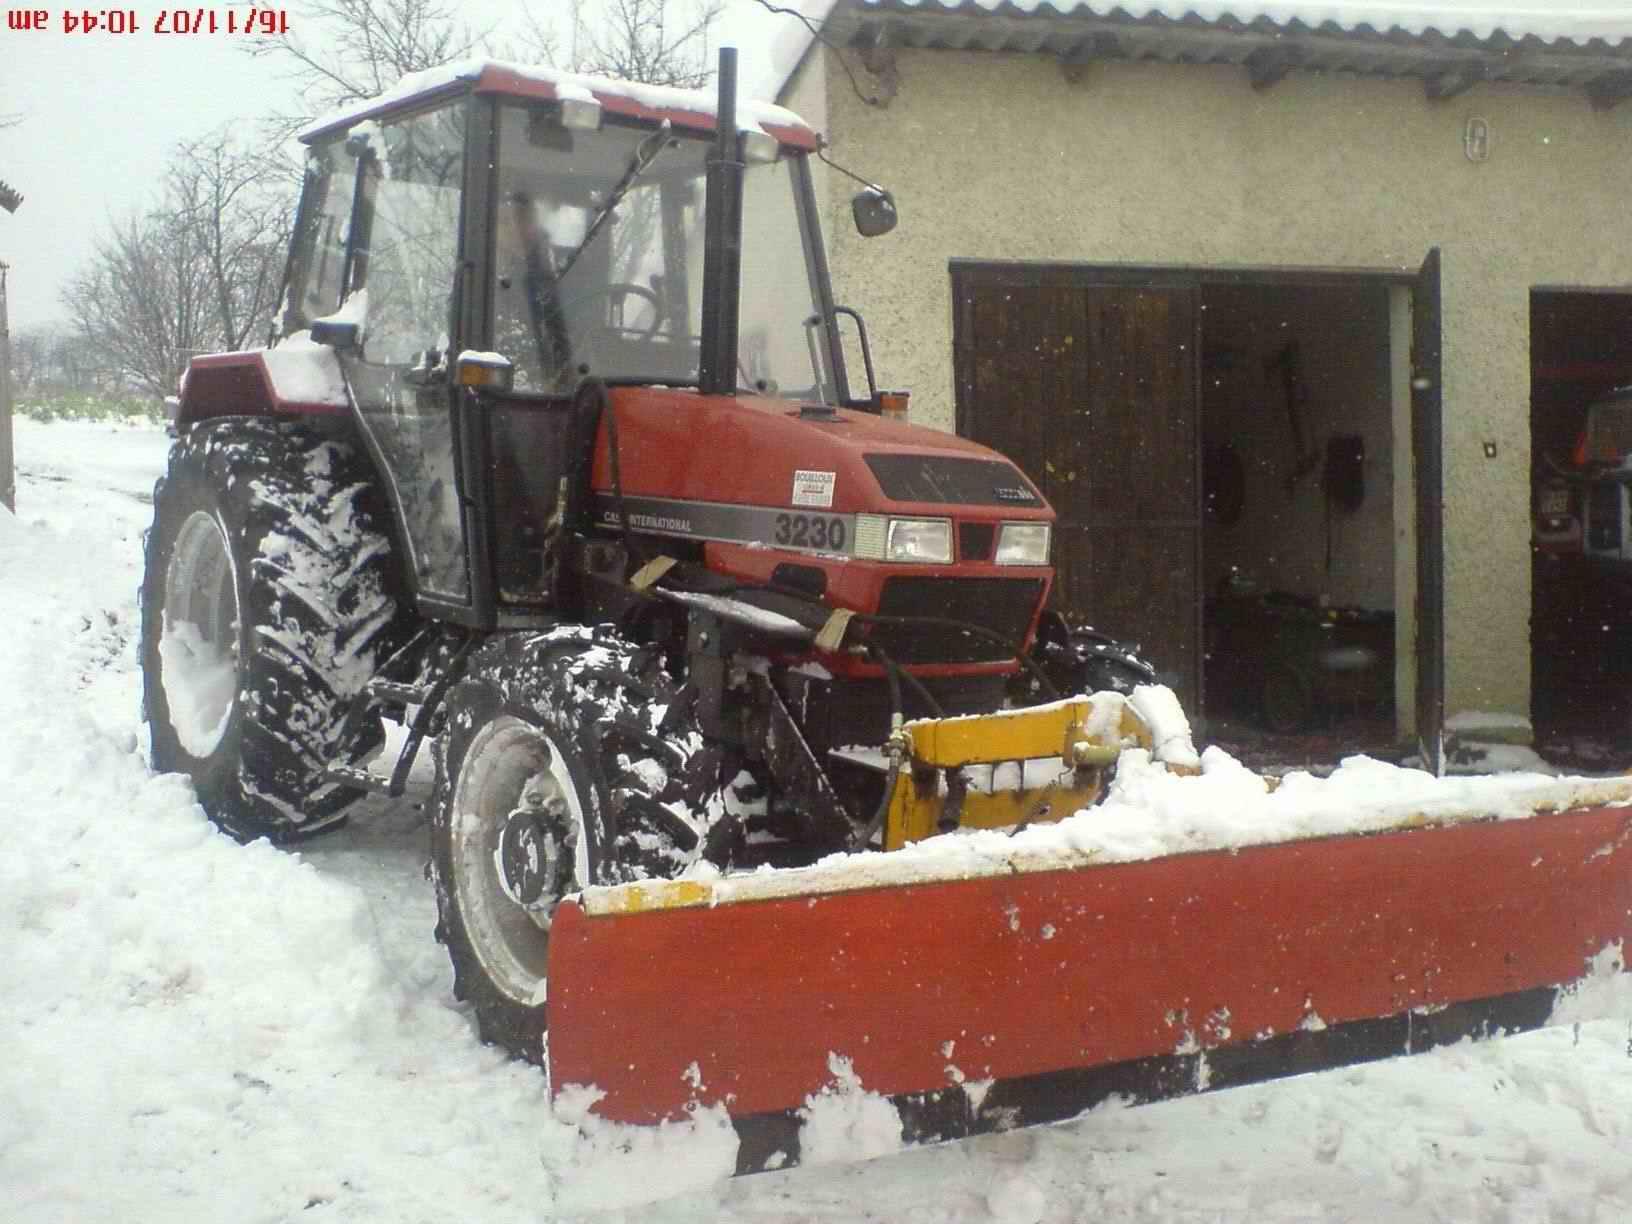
x=335 y=334
x=874 y=210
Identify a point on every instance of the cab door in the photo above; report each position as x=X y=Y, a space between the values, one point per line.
x=404 y=256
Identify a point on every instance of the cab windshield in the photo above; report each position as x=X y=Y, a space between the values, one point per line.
x=588 y=285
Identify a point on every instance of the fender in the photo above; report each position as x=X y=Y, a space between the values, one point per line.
x=290 y=380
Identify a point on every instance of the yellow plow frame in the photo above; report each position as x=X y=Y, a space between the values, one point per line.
x=977 y=772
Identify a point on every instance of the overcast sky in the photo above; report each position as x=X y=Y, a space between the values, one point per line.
x=102 y=112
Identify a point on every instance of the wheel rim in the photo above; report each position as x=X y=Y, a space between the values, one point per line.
x=199 y=649
x=517 y=848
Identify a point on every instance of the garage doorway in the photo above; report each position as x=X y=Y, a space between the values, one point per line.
x=1581 y=581
x=1222 y=449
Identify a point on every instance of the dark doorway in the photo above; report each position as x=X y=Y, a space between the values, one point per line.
x=1298 y=549
x=1581 y=595
x=1220 y=449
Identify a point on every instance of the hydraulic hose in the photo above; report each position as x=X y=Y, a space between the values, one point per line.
x=896 y=748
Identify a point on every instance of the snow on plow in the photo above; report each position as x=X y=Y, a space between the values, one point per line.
x=991 y=982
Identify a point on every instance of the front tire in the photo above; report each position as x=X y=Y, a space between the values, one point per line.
x=569 y=759
x=267 y=604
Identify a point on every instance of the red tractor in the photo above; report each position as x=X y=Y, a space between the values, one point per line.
x=557 y=449
x=557 y=461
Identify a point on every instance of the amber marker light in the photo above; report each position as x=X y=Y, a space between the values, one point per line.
x=484 y=372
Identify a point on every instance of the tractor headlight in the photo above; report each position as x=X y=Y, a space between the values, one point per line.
x=879 y=538
x=927 y=540
x=1022 y=544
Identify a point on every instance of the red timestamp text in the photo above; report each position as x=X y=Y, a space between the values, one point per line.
x=261 y=21
x=222 y=21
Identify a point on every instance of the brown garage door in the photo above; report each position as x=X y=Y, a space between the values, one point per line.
x=1091 y=388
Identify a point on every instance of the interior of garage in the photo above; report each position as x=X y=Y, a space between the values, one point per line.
x=1581 y=582
x=1297 y=415
x=1220 y=450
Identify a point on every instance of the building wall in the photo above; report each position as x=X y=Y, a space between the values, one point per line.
x=998 y=156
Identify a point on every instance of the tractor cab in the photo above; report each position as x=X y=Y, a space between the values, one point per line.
x=539 y=237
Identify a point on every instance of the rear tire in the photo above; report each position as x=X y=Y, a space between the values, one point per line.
x=569 y=759
x=267 y=603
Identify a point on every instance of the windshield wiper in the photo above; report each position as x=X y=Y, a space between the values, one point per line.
x=645 y=154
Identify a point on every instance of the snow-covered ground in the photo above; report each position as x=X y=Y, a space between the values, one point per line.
x=197 y=1031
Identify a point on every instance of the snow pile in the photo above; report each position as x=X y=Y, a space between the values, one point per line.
x=199 y=682
x=845 y=1122
x=1605 y=991
x=1170 y=738
x=599 y=1165
x=196 y=1029
x=1152 y=811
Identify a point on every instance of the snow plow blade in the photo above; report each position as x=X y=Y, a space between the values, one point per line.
x=1029 y=995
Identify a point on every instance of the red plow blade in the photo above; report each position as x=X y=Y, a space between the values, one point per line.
x=980 y=1004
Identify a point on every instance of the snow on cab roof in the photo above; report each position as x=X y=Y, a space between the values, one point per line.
x=686 y=108
x=1548 y=20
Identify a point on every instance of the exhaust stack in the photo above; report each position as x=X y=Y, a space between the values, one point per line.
x=722 y=241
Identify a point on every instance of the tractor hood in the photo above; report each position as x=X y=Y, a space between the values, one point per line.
x=679 y=445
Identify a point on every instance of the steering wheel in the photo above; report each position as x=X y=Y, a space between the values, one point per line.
x=616 y=294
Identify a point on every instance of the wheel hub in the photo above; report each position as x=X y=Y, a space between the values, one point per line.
x=515 y=849
x=529 y=858
x=534 y=854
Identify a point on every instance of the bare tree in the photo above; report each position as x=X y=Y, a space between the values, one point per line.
x=30 y=352
x=143 y=301
x=70 y=366
x=49 y=359
x=198 y=272
x=10 y=197
x=237 y=204
x=364 y=47
x=658 y=42
x=646 y=40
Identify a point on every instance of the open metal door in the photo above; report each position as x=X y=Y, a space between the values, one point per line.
x=1090 y=387
x=1427 y=445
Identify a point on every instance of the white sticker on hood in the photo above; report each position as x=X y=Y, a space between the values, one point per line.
x=813 y=489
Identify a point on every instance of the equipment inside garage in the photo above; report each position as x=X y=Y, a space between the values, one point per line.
x=1219 y=447
x=1581 y=582
x=1297 y=499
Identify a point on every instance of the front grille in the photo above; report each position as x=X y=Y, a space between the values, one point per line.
x=975 y=541
x=951 y=480
x=1004 y=606
x=1604 y=517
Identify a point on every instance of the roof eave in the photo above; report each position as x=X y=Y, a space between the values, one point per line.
x=1268 y=50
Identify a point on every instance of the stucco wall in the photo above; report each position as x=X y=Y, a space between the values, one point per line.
x=997 y=156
